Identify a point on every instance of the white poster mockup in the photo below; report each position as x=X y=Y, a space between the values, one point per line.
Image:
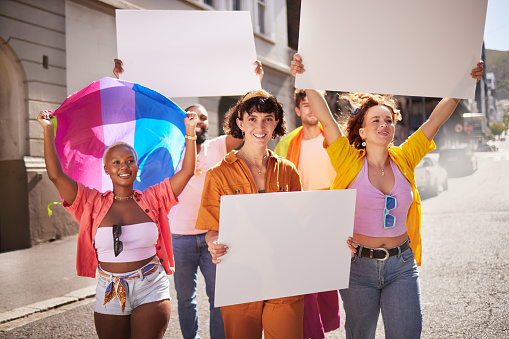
x=283 y=244
x=416 y=48
x=188 y=53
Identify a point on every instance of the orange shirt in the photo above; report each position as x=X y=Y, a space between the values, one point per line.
x=232 y=176
x=90 y=207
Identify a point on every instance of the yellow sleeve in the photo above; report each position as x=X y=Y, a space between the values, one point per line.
x=415 y=148
x=341 y=154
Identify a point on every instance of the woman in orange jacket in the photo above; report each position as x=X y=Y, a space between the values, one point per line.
x=257 y=117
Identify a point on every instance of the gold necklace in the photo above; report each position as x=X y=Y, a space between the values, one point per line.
x=197 y=170
x=247 y=158
x=123 y=198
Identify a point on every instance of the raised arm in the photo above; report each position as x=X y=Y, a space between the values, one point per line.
x=179 y=180
x=318 y=104
x=66 y=186
x=445 y=108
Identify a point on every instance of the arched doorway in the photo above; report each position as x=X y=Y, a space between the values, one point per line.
x=14 y=219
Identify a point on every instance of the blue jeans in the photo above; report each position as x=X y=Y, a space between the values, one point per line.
x=191 y=252
x=391 y=286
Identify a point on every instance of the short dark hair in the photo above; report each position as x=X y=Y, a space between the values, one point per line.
x=259 y=101
x=299 y=94
x=194 y=105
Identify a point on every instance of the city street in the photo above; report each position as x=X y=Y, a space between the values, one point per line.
x=464 y=276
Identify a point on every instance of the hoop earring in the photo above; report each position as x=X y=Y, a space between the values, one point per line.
x=363 y=143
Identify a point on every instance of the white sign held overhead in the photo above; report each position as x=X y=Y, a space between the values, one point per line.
x=188 y=53
x=418 y=48
x=283 y=244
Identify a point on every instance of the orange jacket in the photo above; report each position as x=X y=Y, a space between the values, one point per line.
x=232 y=176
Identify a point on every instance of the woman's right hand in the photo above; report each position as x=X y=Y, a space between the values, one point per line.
x=217 y=250
x=296 y=66
x=44 y=118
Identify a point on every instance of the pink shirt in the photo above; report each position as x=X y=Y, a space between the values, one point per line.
x=90 y=207
x=315 y=169
x=183 y=217
x=370 y=204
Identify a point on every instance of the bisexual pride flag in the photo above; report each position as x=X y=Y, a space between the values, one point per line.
x=111 y=110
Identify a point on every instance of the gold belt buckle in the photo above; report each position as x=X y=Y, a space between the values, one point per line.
x=380 y=249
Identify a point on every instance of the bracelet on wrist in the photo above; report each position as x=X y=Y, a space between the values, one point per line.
x=191 y=138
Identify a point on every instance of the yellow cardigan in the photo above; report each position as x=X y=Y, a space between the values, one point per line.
x=348 y=161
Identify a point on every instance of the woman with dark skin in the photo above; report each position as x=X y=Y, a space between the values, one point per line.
x=386 y=243
x=123 y=206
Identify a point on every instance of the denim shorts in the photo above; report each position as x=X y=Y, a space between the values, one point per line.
x=149 y=288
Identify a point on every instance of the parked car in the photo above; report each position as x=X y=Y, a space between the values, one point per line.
x=430 y=177
x=458 y=161
x=486 y=148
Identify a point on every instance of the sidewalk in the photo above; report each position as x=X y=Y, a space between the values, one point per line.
x=41 y=278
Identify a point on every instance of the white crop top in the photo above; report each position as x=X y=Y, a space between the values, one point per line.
x=139 y=242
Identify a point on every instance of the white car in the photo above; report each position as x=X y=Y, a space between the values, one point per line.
x=430 y=177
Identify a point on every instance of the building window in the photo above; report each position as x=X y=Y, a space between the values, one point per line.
x=262 y=12
x=236 y=5
x=209 y=2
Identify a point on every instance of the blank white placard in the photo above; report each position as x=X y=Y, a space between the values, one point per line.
x=418 y=48
x=188 y=53
x=283 y=244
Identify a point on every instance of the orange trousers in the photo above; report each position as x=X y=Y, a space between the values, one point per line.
x=277 y=318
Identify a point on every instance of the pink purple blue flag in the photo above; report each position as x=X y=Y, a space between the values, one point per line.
x=111 y=110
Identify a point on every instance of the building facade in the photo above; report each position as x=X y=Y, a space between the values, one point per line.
x=50 y=49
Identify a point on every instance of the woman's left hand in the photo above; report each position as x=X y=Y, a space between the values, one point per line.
x=477 y=72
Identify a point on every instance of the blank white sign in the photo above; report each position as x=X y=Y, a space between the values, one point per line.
x=283 y=244
x=188 y=53
x=417 y=48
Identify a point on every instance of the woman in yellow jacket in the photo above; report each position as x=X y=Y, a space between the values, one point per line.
x=386 y=242
x=257 y=117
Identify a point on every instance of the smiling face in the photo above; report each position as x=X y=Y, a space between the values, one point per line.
x=258 y=127
x=378 y=126
x=121 y=165
x=305 y=113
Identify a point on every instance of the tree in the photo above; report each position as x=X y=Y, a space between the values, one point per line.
x=497 y=128
x=505 y=120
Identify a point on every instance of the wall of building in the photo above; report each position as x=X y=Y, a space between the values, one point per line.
x=50 y=49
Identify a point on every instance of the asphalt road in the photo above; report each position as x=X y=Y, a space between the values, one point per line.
x=465 y=287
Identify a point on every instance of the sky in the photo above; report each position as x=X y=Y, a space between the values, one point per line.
x=496 y=29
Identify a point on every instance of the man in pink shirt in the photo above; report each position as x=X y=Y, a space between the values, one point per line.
x=190 y=249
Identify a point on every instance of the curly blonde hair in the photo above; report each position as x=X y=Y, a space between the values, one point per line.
x=360 y=103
